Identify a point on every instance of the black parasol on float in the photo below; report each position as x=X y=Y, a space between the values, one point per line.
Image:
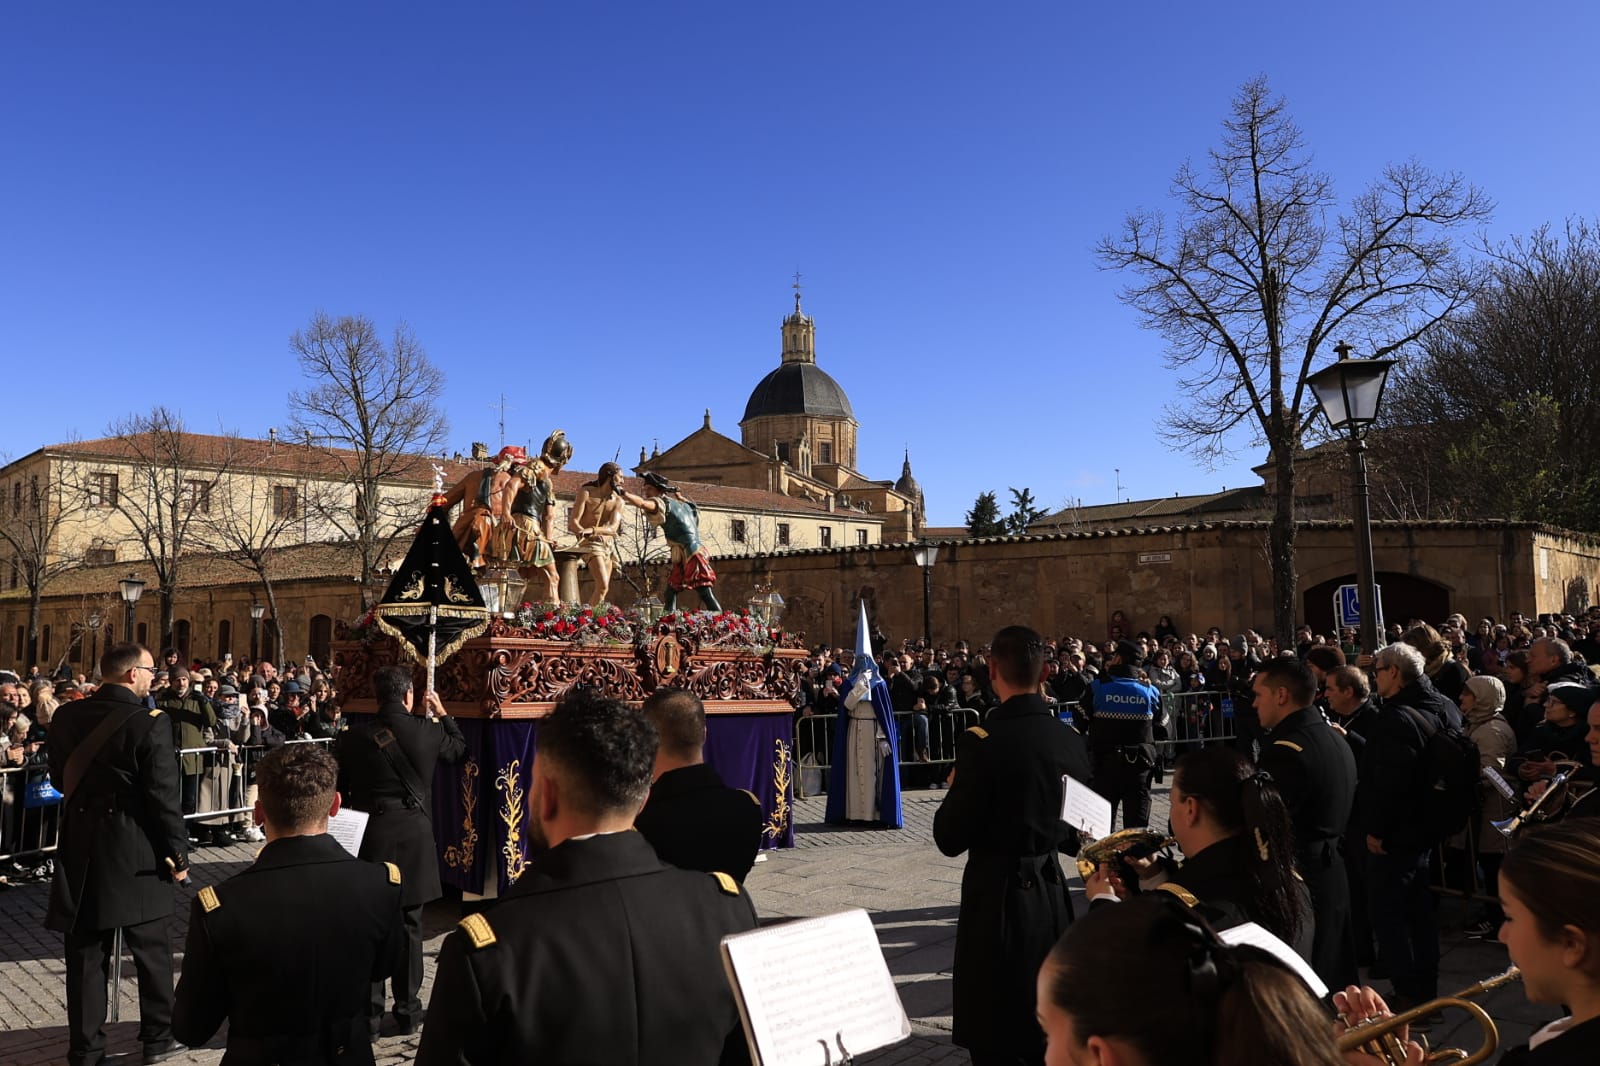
x=433 y=605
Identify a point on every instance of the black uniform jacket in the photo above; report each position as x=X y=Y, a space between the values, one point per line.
x=123 y=822
x=1315 y=773
x=1578 y=1046
x=600 y=954
x=1389 y=795
x=695 y=822
x=286 y=953
x=1004 y=809
x=1217 y=877
x=400 y=830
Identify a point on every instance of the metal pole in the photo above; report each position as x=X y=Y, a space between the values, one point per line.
x=1369 y=584
x=255 y=640
x=927 y=605
x=433 y=643
x=114 y=974
x=127 y=621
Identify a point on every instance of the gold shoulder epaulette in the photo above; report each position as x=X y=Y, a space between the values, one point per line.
x=753 y=797
x=394 y=873
x=476 y=926
x=208 y=899
x=1291 y=745
x=1189 y=898
x=729 y=886
x=978 y=730
x=154 y=711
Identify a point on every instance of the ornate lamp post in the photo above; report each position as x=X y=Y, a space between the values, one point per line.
x=132 y=588
x=925 y=554
x=1349 y=393
x=257 y=612
x=766 y=606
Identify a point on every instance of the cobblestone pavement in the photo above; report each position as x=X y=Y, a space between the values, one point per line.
x=911 y=890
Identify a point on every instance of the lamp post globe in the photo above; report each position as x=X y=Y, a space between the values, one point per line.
x=131 y=588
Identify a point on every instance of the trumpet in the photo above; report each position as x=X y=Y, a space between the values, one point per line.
x=1115 y=847
x=1381 y=1036
x=1544 y=807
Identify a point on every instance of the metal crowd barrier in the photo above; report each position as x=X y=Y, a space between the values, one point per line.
x=1196 y=719
x=813 y=740
x=221 y=782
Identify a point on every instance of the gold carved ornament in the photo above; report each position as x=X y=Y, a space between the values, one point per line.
x=413 y=588
x=454 y=593
x=461 y=856
x=782 y=767
x=509 y=782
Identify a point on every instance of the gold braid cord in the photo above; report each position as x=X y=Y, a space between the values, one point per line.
x=511 y=808
x=461 y=856
x=781 y=768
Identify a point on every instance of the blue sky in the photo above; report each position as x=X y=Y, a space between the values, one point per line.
x=596 y=208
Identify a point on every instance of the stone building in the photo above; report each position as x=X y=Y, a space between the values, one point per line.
x=797 y=438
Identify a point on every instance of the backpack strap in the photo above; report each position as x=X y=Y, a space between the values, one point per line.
x=389 y=745
x=84 y=754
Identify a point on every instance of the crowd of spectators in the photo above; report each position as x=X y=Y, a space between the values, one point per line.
x=224 y=715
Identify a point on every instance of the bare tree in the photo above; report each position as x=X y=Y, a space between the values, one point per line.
x=1256 y=276
x=85 y=620
x=169 y=494
x=372 y=408
x=37 y=511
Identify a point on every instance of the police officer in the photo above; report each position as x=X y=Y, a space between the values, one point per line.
x=600 y=952
x=386 y=769
x=1122 y=714
x=692 y=819
x=123 y=843
x=1315 y=774
x=1004 y=808
x=305 y=897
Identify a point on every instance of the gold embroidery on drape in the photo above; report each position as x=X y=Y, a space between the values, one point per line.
x=509 y=783
x=778 y=823
x=461 y=856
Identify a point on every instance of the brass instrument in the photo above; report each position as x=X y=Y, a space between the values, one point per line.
x=1381 y=1036
x=1111 y=849
x=1545 y=807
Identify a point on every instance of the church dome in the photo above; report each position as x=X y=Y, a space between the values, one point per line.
x=798 y=388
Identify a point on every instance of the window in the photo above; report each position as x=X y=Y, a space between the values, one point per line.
x=142 y=633
x=102 y=490
x=825 y=452
x=99 y=556
x=783 y=451
x=44 y=643
x=285 y=501
x=738 y=530
x=783 y=533
x=22 y=643
x=224 y=638
x=16 y=497
x=197 y=496
x=826 y=535
x=861 y=536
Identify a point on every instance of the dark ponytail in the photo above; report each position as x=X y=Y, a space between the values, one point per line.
x=1244 y=802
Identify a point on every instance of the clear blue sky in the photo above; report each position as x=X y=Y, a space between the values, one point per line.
x=596 y=208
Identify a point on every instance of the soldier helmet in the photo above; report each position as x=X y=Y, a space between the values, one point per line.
x=557 y=449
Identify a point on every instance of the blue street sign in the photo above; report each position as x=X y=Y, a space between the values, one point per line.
x=1347 y=607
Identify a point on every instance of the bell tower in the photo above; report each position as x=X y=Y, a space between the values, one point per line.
x=799 y=333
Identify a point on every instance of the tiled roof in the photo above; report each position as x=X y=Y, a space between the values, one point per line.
x=1141 y=511
x=300 y=562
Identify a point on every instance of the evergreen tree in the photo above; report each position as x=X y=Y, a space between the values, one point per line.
x=984 y=519
x=1024 y=511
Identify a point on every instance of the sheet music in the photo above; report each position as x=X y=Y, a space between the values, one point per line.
x=1085 y=809
x=348 y=827
x=1257 y=937
x=821 y=979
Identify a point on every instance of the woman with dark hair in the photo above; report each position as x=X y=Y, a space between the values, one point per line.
x=1149 y=984
x=1238 y=846
x=1521 y=709
x=1165 y=628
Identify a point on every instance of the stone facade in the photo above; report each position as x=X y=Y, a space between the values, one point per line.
x=1200 y=575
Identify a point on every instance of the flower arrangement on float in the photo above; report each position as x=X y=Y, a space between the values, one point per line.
x=604 y=623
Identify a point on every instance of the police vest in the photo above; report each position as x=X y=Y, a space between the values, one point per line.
x=1124 y=710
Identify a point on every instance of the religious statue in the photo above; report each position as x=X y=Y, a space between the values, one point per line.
x=529 y=516
x=595 y=518
x=481 y=495
x=679 y=521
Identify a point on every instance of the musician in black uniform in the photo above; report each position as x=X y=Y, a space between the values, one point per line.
x=123 y=844
x=1004 y=809
x=692 y=819
x=286 y=952
x=600 y=953
x=1315 y=773
x=1238 y=847
x=386 y=769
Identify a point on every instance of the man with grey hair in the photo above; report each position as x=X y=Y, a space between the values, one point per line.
x=1407 y=685
x=1552 y=660
x=1388 y=816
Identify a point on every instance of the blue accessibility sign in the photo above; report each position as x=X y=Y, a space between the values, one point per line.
x=1347 y=605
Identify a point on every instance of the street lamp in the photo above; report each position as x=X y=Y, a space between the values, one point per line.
x=925 y=554
x=766 y=606
x=1349 y=393
x=132 y=588
x=257 y=612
